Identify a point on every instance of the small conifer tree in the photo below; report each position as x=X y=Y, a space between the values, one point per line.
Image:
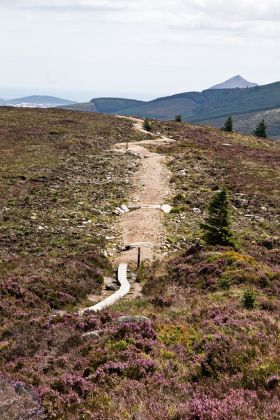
x=147 y=125
x=260 y=130
x=178 y=118
x=217 y=226
x=228 y=125
x=249 y=299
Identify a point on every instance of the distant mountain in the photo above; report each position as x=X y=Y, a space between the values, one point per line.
x=2 y=101
x=38 y=101
x=209 y=106
x=235 y=82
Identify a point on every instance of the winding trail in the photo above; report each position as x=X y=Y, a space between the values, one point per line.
x=145 y=224
x=142 y=227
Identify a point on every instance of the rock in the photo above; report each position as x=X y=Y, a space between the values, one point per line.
x=111 y=253
x=133 y=276
x=196 y=210
x=124 y=248
x=182 y=172
x=112 y=287
x=166 y=208
x=135 y=318
x=92 y=334
x=97 y=212
x=119 y=210
x=124 y=208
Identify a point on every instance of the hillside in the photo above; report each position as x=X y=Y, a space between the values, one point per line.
x=111 y=105
x=245 y=123
x=104 y=105
x=200 y=338
x=80 y=107
x=211 y=105
x=196 y=106
x=236 y=82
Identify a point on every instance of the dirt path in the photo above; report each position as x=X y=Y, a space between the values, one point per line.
x=145 y=225
x=142 y=227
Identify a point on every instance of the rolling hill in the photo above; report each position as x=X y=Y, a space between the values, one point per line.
x=111 y=105
x=81 y=107
x=105 y=105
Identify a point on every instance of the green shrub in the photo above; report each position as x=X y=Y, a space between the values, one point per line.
x=147 y=125
x=56 y=132
x=249 y=299
x=178 y=118
x=179 y=198
x=177 y=210
x=225 y=283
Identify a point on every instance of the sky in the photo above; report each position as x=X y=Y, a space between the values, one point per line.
x=80 y=49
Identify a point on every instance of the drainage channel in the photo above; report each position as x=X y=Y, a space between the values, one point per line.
x=115 y=297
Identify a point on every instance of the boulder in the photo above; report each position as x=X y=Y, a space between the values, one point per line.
x=124 y=208
x=112 y=287
x=132 y=318
x=92 y=334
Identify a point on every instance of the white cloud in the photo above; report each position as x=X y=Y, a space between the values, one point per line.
x=230 y=9
x=110 y=4
x=105 y=42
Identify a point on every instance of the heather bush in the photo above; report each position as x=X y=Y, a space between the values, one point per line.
x=136 y=330
x=19 y=401
x=262 y=375
x=236 y=404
